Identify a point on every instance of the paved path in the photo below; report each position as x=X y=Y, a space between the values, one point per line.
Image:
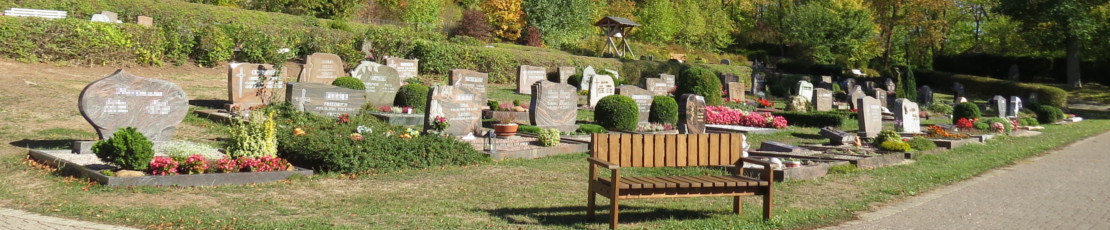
x=16 y=219
x=1067 y=189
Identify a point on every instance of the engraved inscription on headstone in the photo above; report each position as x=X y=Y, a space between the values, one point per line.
x=471 y=81
x=805 y=89
x=527 y=76
x=908 y=112
x=324 y=99
x=152 y=106
x=1013 y=107
x=322 y=68
x=253 y=84
x=554 y=105
x=382 y=82
x=998 y=104
x=657 y=86
x=405 y=68
x=601 y=86
x=565 y=72
x=881 y=95
x=736 y=91
x=462 y=111
x=870 y=115
x=822 y=99
x=642 y=97
x=691 y=114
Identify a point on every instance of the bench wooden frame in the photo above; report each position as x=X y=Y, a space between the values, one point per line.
x=614 y=151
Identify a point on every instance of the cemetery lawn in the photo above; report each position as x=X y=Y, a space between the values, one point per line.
x=542 y=193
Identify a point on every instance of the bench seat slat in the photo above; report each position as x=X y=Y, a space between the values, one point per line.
x=684 y=182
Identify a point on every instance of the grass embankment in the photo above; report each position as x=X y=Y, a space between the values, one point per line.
x=542 y=193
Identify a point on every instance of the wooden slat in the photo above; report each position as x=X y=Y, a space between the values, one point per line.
x=726 y=146
x=682 y=149
x=637 y=150
x=626 y=149
x=681 y=184
x=703 y=149
x=671 y=144
x=632 y=182
x=728 y=181
x=715 y=149
x=692 y=150
x=660 y=183
x=693 y=183
x=649 y=151
x=737 y=149
x=660 y=149
x=615 y=149
x=717 y=182
x=601 y=146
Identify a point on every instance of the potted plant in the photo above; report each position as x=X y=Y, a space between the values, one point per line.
x=793 y=163
x=505 y=126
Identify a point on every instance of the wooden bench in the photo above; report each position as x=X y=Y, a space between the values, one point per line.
x=21 y=12
x=616 y=151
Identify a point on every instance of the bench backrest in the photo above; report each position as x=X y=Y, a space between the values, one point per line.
x=54 y=14
x=667 y=150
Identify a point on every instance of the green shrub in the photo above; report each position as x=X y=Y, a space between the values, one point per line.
x=516 y=102
x=813 y=119
x=549 y=137
x=127 y=148
x=965 y=110
x=617 y=112
x=941 y=108
x=575 y=80
x=349 y=82
x=253 y=137
x=1028 y=121
x=887 y=135
x=1046 y=114
x=910 y=85
x=590 y=128
x=985 y=124
x=412 y=95
x=700 y=81
x=493 y=105
x=985 y=86
x=835 y=87
x=664 y=109
x=212 y=46
x=922 y=144
x=895 y=145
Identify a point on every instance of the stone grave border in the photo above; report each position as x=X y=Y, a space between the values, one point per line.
x=414 y=119
x=208 y=179
x=566 y=146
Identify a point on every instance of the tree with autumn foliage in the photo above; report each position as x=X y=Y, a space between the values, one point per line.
x=507 y=18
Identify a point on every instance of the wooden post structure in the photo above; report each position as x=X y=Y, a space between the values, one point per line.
x=616 y=27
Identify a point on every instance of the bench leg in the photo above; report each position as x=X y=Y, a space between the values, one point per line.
x=591 y=204
x=738 y=204
x=614 y=210
x=767 y=206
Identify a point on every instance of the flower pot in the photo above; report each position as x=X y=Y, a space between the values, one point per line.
x=505 y=130
x=793 y=164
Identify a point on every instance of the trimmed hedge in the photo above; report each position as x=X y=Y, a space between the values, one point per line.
x=965 y=110
x=986 y=87
x=617 y=112
x=1046 y=114
x=349 y=82
x=664 y=109
x=414 y=95
x=813 y=119
x=700 y=81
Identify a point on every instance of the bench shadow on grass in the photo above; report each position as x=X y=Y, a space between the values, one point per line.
x=575 y=216
x=44 y=144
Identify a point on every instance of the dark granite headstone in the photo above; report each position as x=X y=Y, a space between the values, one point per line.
x=958 y=89
x=324 y=99
x=736 y=91
x=870 y=115
x=554 y=105
x=405 y=68
x=642 y=97
x=322 y=68
x=998 y=104
x=775 y=146
x=565 y=72
x=910 y=115
x=757 y=84
x=460 y=107
x=726 y=62
x=691 y=114
x=726 y=78
x=925 y=95
x=152 y=106
x=822 y=99
x=253 y=84
x=527 y=76
x=836 y=136
x=382 y=82
x=600 y=86
x=1013 y=107
x=472 y=81
x=850 y=85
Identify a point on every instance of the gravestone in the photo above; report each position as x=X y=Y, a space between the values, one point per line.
x=822 y=99
x=154 y=107
x=908 y=112
x=727 y=78
x=668 y=78
x=324 y=99
x=527 y=76
x=998 y=104
x=473 y=82
x=321 y=68
x=381 y=81
x=826 y=83
x=757 y=84
x=601 y=86
x=112 y=16
x=587 y=76
x=869 y=86
x=101 y=18
x=870 y=115
x=1014 y=106
x=613 y=73
x=554 y=105
x=850 y=85
x=253 y=84
x=565 y=72
x=736 y=91
x=805 y=89
x=775 y=146
x=961 y=100
x=881 y=95
x=691 y=114
x=890 y=86
x=958 y=89
x=726 y=62
x=1015 y=73
x=405 y=68
x=925 y=95
x=836 y=136
x=460 y=107
x=145 y=21
x=798 y=104
x=642 y=97
x=853 y=99
x=657 y=86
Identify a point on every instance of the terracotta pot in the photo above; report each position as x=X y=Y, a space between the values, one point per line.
x=793 y=164
x=505 y=130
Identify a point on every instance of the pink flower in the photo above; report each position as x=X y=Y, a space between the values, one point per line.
x=195 y=164
x=163 y=166
x=227 y=165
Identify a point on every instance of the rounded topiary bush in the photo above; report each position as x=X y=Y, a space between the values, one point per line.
x=700 y=81
x=575 y=80
x=895 y=145
x=922 y=144
x=664 y=109
x=414 y=95
x=965 y=110
x=127 y=148
x=349 y=82
x=985 y=124
x=617 y=112
x=1047 y=114
x=887 y=135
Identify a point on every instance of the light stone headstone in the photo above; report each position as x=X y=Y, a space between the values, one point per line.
x=881 y=95
x=527 y=76
x=460 y=107
x=154 y=107
x=850 y=85
x=908 y=111
x=657 y=86
x=101 y=18
x=253 y=84
x=925 y=95
x=668 y=78
x=642 y=97
x=144 y=21
x=601 y=86
x=587 y=76
x=565 y=72
x=870 y=115
x=112 y=16
x=961 y=100
x=405 y=68
x=998 y=104
x=554 y=105
x=736 y=91
x=612 y=73
x=472 y=81
x=324 y=99
x=691 y=114
x=822 y=99
x=381 y=81
x=805 y=89
x=322 y=68
x=826 y=82
x=1013 y=107
x=853 y=99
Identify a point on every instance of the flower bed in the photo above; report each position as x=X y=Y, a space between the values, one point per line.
x=722 y=115
x=74 y=164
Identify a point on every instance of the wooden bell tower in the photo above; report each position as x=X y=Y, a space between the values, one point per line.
x=616 y=28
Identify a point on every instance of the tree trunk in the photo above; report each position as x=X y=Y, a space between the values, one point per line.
x=1073 y=62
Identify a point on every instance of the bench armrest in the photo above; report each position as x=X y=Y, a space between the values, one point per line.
x=603 y=163
x=766 y=167
x=754 y=161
